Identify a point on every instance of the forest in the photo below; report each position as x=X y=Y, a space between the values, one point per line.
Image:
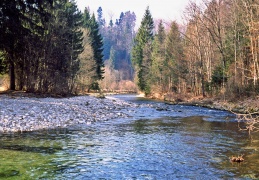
x=49 y=46
x=52 y=47
x=214 y=53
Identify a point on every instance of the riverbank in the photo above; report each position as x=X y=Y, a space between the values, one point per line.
x=21 y=111
x=239 y=106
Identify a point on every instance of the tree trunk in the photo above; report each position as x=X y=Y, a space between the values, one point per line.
x=12 y=75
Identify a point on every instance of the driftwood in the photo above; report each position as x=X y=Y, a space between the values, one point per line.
x=237 y=159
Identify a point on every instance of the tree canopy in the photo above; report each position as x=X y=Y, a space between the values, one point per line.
x=41 y=42
x=51 y=47
x=142 y=50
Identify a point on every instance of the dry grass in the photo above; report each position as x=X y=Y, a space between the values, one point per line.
x=4 y=79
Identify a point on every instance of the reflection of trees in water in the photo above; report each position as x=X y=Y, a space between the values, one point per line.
x=165 y=124
x=140 y=125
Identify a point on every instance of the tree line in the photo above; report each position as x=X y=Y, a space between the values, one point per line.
x=118 y=38
x=50 y=46
x=215 y=52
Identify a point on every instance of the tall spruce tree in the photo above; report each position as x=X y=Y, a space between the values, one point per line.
x=158 y=60
x=141 y=50
x=100 y=19
x=86 y=19
x=92 y=25
x=63 y=44
x=175 y=63
x=74 y=22
x=97 y=44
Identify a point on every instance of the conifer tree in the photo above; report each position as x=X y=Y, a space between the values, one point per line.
x=174 y=63
x=63 y=44
x=161 y=32
x=100 y=19
x=158 y=60
x=141 y=49
x=92 y=25
x=74 y=22
x=18 y=19
x=86 y=19
x=97 y=44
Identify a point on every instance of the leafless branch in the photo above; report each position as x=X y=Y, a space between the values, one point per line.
x=251 y=121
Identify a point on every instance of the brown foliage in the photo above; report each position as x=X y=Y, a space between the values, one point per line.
x=237 y=159
x=114 y=81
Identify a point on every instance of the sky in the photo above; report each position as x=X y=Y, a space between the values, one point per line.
x=168 y=10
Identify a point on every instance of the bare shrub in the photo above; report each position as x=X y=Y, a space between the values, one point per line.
x=250 y=120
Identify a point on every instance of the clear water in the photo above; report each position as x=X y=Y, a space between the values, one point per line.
x=159 y=141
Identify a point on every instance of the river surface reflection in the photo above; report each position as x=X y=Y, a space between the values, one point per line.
x=158 y=141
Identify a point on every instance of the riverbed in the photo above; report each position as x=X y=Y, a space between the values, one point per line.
x=152 y=141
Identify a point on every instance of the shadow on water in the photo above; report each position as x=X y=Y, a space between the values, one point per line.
x=48 y=150
x=9 y=173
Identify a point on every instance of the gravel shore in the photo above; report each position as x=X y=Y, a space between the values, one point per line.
x=19 y=114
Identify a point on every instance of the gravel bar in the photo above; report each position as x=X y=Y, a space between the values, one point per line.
x=19 y=114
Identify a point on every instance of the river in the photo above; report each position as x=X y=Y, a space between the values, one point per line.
x=158 y=141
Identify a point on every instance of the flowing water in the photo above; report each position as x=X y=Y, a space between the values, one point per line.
x=158 y=141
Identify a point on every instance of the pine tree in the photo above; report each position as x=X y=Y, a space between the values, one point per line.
x=97 y=44
x=18 y=20
x=141 y=49
x=86 y=19
x=62 y=46
x=174 y=63
x=161 y=32
x=74 y=22
x=92 y=25
x=100 y=19
x=11 y=33
x=158 y=60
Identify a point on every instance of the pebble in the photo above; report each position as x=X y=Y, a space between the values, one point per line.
x=31 y=114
